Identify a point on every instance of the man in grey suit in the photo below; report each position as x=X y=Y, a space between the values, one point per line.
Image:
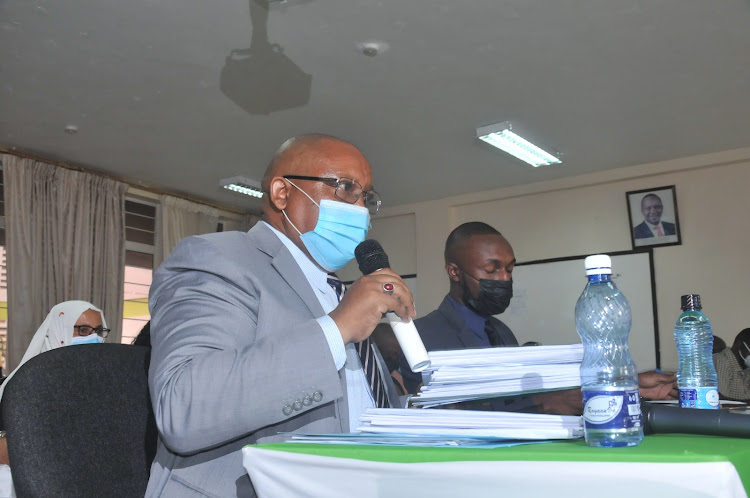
x=250 y=340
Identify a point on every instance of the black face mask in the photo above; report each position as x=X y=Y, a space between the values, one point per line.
x=494 y=296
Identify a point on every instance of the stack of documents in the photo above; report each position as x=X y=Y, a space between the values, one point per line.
x=471 y=374
x=426 y=427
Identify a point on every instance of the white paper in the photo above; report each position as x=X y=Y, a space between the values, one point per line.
x=426 y=427
x=473 y=374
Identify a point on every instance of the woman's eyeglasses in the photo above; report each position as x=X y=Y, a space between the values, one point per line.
x=84 y=330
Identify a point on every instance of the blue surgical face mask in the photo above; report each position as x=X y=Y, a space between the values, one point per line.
x=341 y=227
x=88 y=339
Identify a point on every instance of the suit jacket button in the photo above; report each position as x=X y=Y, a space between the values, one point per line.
x=287 y=410
x=317 y=396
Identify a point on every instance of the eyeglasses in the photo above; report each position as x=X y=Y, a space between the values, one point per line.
x=347 y=190
x=84 y=330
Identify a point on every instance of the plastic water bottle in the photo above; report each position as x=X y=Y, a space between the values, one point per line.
x=609 y=379
x=696 y=375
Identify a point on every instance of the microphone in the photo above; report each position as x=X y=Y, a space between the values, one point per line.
x=371 y=258
x=664 y=419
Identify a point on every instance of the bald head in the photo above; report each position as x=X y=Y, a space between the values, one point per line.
x=299 y=155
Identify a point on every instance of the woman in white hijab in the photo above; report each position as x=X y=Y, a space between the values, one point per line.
x=71 y=322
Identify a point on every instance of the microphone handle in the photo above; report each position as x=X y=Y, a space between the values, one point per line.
x=661 y=419
x=410 y=341
x=408 y=338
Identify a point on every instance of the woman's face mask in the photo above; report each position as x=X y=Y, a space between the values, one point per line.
x=88 y=339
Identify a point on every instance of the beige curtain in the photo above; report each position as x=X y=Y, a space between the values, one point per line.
x=65 y=236
x=179 y=219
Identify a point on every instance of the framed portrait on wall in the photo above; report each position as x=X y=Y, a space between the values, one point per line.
x=653 y=217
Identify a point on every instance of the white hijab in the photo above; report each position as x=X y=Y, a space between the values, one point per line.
x=55 y=332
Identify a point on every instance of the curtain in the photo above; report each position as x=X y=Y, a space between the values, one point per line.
x=65 y=237
x=179 y=219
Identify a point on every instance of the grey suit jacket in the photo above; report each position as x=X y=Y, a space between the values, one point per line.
x=235 y=346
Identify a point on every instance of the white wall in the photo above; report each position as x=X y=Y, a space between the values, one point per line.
x=588 y=214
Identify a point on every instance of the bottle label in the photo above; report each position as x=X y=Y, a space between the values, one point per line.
x=611 y=409
x=701 y=397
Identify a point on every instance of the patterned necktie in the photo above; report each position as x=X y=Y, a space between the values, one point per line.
x=370 y=368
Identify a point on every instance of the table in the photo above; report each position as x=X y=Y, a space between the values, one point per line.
x=663 y=465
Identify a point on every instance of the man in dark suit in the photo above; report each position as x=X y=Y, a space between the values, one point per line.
x=480 y=262
x=652 y=226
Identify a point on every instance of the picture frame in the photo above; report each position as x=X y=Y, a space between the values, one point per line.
x=653 y=217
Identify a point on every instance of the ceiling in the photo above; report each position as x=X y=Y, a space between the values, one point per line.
x=178 y=94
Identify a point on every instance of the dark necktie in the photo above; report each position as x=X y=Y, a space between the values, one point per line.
x=499 y=334
x=374 y=382
x=492 y=334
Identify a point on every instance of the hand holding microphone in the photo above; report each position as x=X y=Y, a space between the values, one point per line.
x=373 y=261
x=365 y=302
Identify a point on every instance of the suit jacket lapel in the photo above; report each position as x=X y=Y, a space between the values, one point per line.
x=463 y=332
x=286 y=266
x=284 y=263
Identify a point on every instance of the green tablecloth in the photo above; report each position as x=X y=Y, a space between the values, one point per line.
x=674 y=448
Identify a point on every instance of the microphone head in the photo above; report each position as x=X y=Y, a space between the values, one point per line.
x=370 y=256
x=647 y=417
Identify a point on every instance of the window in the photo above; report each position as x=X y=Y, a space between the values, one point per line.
x=3 y=281
x=140 y=228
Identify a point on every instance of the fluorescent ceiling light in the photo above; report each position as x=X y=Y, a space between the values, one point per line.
x=242 y=185
x=500 y=135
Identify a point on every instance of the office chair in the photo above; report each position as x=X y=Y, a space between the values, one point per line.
x=79 y=422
